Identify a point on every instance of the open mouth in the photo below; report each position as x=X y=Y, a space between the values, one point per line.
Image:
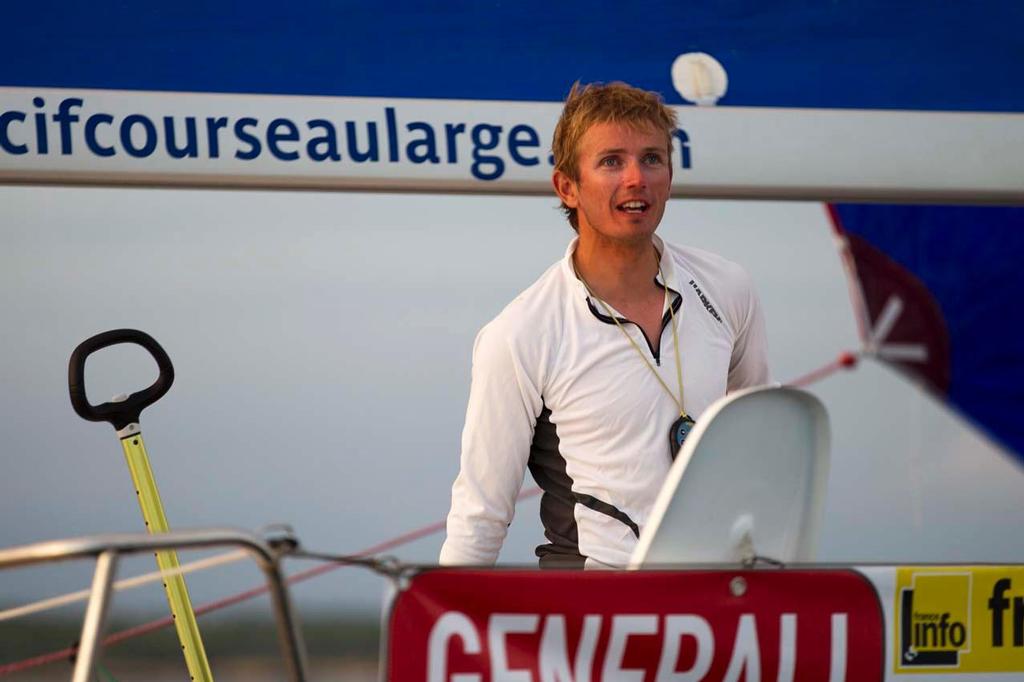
x=635 y=207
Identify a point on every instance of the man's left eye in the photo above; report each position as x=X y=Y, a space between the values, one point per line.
x=652 y=159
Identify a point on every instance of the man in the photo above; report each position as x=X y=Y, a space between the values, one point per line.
x=592 y=376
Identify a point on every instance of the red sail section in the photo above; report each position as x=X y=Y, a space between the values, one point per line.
x=919 y=324
x=955 y=273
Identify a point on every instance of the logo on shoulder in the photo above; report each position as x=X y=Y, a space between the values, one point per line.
x=704 y=299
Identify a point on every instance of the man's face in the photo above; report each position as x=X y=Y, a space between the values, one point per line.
x=624 y=181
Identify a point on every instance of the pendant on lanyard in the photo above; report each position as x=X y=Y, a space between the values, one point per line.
x=682 y=426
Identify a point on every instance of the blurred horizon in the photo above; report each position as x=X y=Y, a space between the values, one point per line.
x=322 y=346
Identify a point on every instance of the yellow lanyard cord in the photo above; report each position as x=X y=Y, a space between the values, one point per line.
x=636 y=346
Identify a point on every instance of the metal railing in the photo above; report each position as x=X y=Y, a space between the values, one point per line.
x=108 y=549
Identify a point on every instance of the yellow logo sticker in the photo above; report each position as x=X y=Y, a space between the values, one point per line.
x=959 y=619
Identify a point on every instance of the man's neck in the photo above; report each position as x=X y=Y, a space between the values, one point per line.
x=619 y=273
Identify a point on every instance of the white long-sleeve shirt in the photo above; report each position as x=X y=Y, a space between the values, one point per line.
x=557 y=387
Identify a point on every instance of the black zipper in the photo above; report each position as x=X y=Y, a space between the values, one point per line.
x=676 y=304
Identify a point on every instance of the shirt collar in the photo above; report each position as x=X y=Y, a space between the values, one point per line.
x=569 y=270
x=667 y=265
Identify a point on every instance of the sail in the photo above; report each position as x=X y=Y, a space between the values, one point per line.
x=866 y=101
x=464 y=96
x=940 y=290
x=864 y=55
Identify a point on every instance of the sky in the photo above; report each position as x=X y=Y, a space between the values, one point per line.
x=322 y=346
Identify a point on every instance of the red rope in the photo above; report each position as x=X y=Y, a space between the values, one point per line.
x=37 y=661
x=153 y=626
x=846 y=360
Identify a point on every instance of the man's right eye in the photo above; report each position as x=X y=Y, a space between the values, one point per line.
x=609 y=161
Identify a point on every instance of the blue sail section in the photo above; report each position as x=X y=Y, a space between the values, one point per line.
x=867 y=54
x=957 y=273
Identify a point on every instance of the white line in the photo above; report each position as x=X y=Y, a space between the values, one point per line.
x=886 y=320
x=910 y=352
x=837 y=661
x=126 y=584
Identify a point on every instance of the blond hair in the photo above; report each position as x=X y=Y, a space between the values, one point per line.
x=604 y=103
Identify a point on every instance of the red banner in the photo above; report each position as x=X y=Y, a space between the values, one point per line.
x=461 y=625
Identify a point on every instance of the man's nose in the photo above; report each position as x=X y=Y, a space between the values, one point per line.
x=633 y=174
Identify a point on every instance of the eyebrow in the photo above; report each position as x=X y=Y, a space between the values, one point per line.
x=623 y=150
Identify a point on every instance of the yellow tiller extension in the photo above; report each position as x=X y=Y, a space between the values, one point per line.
x=123 y=412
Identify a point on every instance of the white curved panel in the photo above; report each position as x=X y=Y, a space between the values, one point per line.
x=753 y=471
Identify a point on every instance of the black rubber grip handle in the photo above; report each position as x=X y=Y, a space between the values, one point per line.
x=123 y=413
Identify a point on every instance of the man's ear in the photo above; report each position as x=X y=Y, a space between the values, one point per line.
x=565 y=188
